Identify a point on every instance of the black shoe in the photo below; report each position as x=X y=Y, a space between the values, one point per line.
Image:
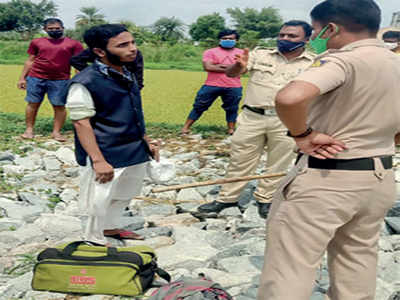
x=263 y=209
x=216 y=207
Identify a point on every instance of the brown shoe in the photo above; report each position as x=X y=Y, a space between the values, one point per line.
x=121 y=234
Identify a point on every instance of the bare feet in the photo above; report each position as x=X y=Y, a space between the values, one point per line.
x=58 y=137
x=28 y=135
x=185 y=131
x=231 y=131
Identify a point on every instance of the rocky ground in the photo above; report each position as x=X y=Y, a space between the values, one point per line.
x=38 y=209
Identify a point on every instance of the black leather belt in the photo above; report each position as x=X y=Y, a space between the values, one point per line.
x=357 y=164
x=254 y=109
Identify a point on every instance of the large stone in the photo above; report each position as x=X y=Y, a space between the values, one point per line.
x=12 y=170
x=59 y=227
x=6 y=156
x=169 y=195
x=251 y=215
x=152 y=232
x=66 y=155
x=31 y=248
x=242 y=264
x=29 y=233
x=241 y=297
x=317 y=296
x=155 y=243
x=165 y=153
x=9 y=239
x=8 y=224
x=31 y=198
x=225 y=279
x=29 y=163
x=245 y=226
x=37 y=295
x=395 y=210
x=219 y=163
x=237 y=290
x=177 y=273
x=186 y=207
x=231 y=212
x=185 y=219
x=189 y=194
x=72 y=172
x=186 y=156
x=216 y=224
x=395 y=295
x=69 y=195
x=22 y=211
x=3 y=213
x=385 y=259
x=133 y=223
x=395 y=242
x=46 y=188
x=394 y=224
x=391 y=274
x=16 y=288
x=383 y=290
x=51 y=164
x=219 y=239
x=250 y=247
x=385 y=244
x=159 y=209
x=204 y=190
x=191 y=245
x=34 y=176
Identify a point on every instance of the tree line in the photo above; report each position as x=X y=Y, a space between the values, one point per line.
x=23 y=19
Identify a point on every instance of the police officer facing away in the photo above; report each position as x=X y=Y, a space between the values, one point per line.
x=337 y=195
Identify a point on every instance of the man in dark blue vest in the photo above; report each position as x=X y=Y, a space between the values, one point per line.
x=110 y=142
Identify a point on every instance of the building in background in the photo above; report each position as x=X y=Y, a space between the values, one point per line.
x=396 y=20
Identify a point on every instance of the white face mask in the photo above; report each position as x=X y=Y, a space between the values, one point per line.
x=391 y=46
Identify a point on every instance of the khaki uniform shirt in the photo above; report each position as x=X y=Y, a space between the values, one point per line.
x=270 y=71
x=360 y=97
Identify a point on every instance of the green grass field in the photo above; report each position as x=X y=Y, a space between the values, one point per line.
x=167 y=97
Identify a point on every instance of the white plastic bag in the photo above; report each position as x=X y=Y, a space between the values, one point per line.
x=161 y=172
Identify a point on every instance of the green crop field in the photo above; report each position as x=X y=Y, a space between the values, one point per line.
x=167 y=97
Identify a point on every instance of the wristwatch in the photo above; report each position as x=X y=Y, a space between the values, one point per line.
x=301 y=135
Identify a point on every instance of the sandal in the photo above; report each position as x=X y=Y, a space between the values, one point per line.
x=121 y=234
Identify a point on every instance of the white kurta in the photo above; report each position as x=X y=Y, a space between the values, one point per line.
x=103 y=202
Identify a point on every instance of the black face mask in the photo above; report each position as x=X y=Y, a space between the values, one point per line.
x=55 y=34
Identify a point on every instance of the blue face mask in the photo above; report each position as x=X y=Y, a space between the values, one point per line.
x=227 y=43
x=285 y=46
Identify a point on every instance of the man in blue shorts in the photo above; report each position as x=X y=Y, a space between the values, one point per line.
x=46 y=71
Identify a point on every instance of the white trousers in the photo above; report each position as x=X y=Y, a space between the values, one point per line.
x=105 y=202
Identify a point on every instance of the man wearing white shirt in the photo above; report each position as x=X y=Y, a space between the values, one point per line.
x=110 y=142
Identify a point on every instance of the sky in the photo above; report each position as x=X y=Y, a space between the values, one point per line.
x=146 y=12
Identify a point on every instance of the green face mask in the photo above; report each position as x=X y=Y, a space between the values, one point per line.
x=320 y=45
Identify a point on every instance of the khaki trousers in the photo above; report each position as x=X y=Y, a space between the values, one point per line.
x=317 y=210
x=254 y=133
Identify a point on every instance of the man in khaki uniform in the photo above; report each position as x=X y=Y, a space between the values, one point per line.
x=343 y=114
x=258 y=126
x=392 y=40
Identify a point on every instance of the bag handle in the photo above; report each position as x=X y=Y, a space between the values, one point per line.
x=71 y=247
x=163 y=274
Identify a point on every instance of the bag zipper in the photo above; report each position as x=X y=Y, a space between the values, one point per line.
x=84 y=264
